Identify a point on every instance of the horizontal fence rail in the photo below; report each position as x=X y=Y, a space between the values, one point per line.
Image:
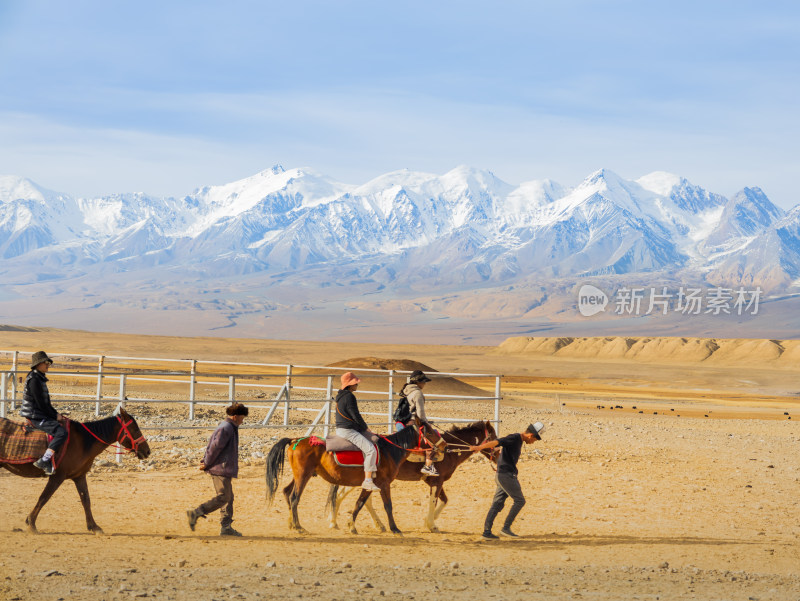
x=297 y=389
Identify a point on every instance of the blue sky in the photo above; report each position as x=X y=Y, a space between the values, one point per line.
x=163 y=97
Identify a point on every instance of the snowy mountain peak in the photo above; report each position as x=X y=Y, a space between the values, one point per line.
x=661 y=182
x=19 y=188
x=466 y=225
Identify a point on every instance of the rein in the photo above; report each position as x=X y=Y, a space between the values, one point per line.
x=124 y=434
x=466 y=445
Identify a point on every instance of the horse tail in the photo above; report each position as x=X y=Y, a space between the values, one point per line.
x=275 y=460
x=331 y=501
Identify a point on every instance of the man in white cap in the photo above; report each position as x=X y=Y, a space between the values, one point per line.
x=507 y=482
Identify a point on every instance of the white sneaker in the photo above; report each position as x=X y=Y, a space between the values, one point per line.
x=368 y=484
x=429 y=470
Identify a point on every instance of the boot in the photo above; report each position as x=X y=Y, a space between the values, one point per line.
x=228 y=530
x=193 y=515
x=46 y=465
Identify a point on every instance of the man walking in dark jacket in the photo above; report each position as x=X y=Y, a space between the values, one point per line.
x=36 y=406
x=506 y=478
x=221 y=460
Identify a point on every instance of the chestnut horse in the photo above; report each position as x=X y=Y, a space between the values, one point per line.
x=86 y=442
x=308 y=459
x=458 y=439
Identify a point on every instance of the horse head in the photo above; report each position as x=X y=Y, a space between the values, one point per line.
x=130 y=436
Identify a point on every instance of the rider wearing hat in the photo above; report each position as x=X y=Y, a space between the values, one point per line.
x=352 y=427
x=36 y=406
x=412 y=390
x=506 y=478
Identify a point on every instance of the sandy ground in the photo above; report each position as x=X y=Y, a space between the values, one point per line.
x=635 y=507
x=621 y=504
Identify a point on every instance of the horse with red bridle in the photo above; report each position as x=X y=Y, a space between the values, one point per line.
x=308 y=456
x=458 y=440
x=86 y=441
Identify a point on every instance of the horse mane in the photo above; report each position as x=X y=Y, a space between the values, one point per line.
x=104 y=429
x=478 y=425
x=405 y=439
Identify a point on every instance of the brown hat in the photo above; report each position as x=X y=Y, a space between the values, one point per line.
x=348 y=379
x=40 y=357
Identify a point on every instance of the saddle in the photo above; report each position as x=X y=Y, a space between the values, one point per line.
x=22 y=443
x=345 y=453
x=437 y=456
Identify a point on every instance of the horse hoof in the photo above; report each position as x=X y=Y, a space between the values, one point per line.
x=96 y=530
x=435 y=530
x=333 y=526
x=397 y=533
x=301 y=530
x=382 y=528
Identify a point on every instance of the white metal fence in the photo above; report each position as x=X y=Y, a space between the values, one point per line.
x=299 y=388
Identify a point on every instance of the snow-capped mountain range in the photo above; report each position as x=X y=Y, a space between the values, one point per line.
x=462 y=228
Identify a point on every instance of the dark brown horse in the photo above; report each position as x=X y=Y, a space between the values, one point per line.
x=458 y=439
x=307 y=459
x=86 y=442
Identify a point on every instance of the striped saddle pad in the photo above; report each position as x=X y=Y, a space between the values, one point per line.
x=20 y=443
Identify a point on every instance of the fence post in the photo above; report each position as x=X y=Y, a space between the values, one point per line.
x=3 y=387
x=497 y=404
x=389 y=423
x=122 y=397
x=99 y=384
x=231 y=388
x=14 y=381
x=192 y=384
x=328 y=394
x=287 y=395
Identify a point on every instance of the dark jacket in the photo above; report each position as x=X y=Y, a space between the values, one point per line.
x=347 y=413
x=222 y=452
x=36 y=404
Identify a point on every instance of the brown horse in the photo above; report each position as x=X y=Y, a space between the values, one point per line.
x=308 y=459
x=86 y=442
x=458 y=439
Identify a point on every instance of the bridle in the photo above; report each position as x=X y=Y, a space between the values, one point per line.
x=124 y=434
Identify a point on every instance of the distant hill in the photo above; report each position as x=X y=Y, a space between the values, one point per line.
x=719 y=351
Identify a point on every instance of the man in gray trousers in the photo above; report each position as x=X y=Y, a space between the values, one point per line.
x=507 y=482
x=221 y=460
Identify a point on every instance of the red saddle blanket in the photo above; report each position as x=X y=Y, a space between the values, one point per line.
x=351 y=458
x=19 y=443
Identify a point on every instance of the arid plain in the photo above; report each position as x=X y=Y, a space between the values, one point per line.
x=692 y=494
